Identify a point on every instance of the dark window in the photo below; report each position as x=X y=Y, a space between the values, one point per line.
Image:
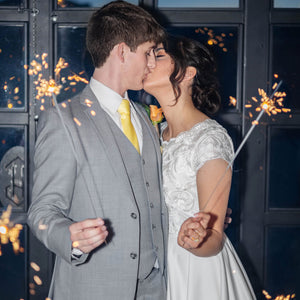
x=286 y=45
x=12 y=56
x=284 y=169
x=283 y=261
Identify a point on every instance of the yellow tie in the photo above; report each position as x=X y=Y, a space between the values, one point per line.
x=128 y=129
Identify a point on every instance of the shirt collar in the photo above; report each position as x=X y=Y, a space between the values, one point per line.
x=107 y=97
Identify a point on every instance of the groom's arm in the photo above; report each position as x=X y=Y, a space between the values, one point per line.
x=53 y=184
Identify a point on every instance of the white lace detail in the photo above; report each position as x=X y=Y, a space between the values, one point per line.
x=183 y=156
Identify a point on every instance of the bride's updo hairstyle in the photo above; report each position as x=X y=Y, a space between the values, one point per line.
x=184 y=53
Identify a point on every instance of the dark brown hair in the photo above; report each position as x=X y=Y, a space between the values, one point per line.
x=186 y=52
x=118 y=22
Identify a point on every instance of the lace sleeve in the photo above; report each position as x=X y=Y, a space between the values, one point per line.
x=214 y=144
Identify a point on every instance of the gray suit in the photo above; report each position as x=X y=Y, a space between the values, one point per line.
x=106 y=178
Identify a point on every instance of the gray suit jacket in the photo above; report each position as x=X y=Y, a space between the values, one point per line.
x=71 y=186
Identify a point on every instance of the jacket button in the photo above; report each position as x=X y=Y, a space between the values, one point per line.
x=133 y=216
x=133 y=255
x=153 y=226
x=143 y=161
x=151 y=205
x=147 y=184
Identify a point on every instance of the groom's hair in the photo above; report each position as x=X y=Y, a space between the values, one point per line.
x=118 y=22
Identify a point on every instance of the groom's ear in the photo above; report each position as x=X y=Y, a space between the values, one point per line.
x=121 y=51
x=190 y=73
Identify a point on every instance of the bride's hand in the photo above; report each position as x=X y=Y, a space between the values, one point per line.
x=193 y=231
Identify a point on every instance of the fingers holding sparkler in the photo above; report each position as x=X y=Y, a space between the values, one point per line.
x=88 y=234
x=193 y=231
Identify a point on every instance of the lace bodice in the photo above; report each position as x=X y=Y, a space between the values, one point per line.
x=183 y=156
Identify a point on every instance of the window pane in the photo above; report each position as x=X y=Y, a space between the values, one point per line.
x=12 y=59
x=199 y=3
x=10 y=2
x=76 y=56
x=13 y=271
x=223 y=41
x=12 y=171
x=286 y=45
x=283 y=261
x=86 y=3
x=286 y=3
x=284 y=169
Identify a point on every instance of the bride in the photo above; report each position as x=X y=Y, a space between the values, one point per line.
x=202 y=263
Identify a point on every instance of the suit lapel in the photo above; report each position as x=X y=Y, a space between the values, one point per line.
x=155 y=139
x=95 y=115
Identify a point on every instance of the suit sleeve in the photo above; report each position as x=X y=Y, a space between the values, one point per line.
x=53 y=184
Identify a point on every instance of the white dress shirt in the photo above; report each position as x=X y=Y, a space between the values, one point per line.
x=110 y=102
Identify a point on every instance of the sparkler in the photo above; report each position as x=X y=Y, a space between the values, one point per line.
x=51 y=88
x=10 y=232
x=270 y=106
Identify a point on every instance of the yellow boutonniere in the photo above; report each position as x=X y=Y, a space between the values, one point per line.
x=156 y=114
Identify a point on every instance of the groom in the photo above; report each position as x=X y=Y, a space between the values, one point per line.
x=97 y=198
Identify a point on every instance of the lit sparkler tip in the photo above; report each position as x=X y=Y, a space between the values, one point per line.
x=232 y=101
x=3 y=229
x=265 y=105
x=9 y=232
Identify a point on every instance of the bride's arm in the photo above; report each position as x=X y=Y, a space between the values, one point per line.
x=208 y=177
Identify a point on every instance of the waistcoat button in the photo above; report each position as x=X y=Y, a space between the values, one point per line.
x=133 y=216
x=133 y=255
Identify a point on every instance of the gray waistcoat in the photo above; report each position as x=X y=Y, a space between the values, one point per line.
x=144 y=177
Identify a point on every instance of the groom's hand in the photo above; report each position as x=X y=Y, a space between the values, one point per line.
x=88 y=234
x=193 y=231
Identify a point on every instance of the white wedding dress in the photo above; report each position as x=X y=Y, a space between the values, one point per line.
x=220 y=277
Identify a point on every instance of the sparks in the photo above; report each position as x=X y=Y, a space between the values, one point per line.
x=271 y=105
x=10 y=232
x=279 y=297
x=49 y=87
x=213 y=38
